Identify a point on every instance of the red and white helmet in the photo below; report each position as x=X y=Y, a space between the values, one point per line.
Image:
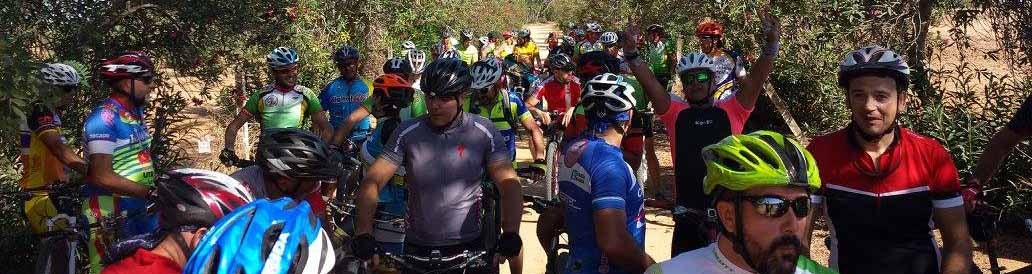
x=196 y=197
x=873 y=58
x=128 y=65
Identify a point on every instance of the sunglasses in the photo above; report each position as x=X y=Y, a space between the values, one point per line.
x=775 y=206
x=709 y=37
x=700 y=77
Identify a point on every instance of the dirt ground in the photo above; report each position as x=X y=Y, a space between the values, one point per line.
x=1013 y=250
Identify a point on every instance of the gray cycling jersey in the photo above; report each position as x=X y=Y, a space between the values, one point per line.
x=444 y=171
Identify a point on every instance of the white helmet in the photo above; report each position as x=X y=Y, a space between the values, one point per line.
x=59 y=75
x=484 y=40
x=609 y=91
x=593 y=27
x=609 y=38
x=408 y=45
x=281 y=57
x=873 y=58
x=695 y=60
x=485 y=73
x=417 y=59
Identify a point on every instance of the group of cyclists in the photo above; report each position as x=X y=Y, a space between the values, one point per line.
x=440 y=147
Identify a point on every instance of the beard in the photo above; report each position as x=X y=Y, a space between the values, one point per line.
x=781 y=257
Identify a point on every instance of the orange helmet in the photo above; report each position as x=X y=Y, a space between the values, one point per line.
x=709 y=27
x=390 y=85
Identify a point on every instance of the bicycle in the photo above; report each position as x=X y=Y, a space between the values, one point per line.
x=341 y=222
x=557 y=253
x=59 y=249
x=435 y=263
x=985 y=234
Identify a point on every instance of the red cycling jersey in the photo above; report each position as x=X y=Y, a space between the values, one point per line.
x=559 y=96
x=880 y=212
x=143 y=261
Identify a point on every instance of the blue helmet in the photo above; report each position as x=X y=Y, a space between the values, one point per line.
x=282 y=57
x=265 y=236
x=344 y=53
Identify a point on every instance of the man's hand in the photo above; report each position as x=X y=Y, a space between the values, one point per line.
x=228 y=157
x=770 y=25
x=364 y=246
x=971 y=192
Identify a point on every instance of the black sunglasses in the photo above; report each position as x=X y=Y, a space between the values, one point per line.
x=776 y=206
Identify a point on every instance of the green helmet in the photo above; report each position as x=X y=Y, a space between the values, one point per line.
x=758 y=159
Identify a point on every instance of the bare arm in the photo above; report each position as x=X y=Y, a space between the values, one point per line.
x=654 y=92
x=100 y=173
x=511 y=194
x=532 y=105
x=537 y=139
x=369 y=192
x=617 y=244
x=999 y=146
x=322 y=125
x=344 y=130
x=67 y=156
x=752 y=82
x=234 y=126
x=956 y=255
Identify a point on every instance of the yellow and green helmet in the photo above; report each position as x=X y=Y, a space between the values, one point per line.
x=758 y=159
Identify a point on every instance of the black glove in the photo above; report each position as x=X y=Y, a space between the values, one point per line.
x=364 y=246
x=509 y=244
x=228 y=157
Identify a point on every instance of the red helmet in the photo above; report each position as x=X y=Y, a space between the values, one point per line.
x=131 y=64
x=393 y=90
x=507 y=34
x=709 y=27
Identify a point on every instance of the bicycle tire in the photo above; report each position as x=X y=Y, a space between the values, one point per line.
x=551 y=170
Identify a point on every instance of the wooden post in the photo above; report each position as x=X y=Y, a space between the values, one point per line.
x=782 y=109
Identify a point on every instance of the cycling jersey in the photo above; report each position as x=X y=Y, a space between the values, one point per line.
x=253 y=178
x=488 y=51
x=558 y=97
x=122 y=133
x=518 y=114
x=593 y=176
x=469 y=55
x=42 y=167
x=528 y=51
x=880 y=214
x=144 y=261
x=726 y=72
x=280 y=108
x=444 y=169
x=711 y=260
x=690 y=129
x=1022 y=121
x=505 y=48
x=341 y=97
x=656 y=56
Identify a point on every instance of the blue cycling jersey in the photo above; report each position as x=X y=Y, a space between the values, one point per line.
x=593 y=176
x=340 y=97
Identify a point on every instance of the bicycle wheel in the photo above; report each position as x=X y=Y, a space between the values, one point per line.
x=551 y=170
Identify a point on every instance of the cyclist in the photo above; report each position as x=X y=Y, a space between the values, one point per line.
x=566 y=46
x=282 y=104
x=346 y=93
x=604 y=204
x=291 y=163
x=884 y=183
x=609 y=41
x=729 y=67
x=417 y=60
x=443 y=217
x=120 y=173
x=560 y=91
x=591 y=39
x=700 y=121
x=394 y=101
x=392 y=67
x=1019 y=127
x=189 y=202
x=761 y=184
x=488 y=50
x=467 y=49
x=446 y=44
x=526 y=51
x=504 y=109
x=266 y=236
x=505 y=47
x=659 y=54
x=47 y=157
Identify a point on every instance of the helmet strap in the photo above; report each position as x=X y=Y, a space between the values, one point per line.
x=177 y=235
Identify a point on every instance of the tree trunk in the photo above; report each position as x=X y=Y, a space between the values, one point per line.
x=916 y=55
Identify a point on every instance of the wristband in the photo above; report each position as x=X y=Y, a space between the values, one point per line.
x=771 y=49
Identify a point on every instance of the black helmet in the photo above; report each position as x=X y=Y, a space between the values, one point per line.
x=196 y=197
x=561 y=62
x=596 y=63
x=296 y=154
x=397 y=65
x=655 y=28
x=445 y=77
